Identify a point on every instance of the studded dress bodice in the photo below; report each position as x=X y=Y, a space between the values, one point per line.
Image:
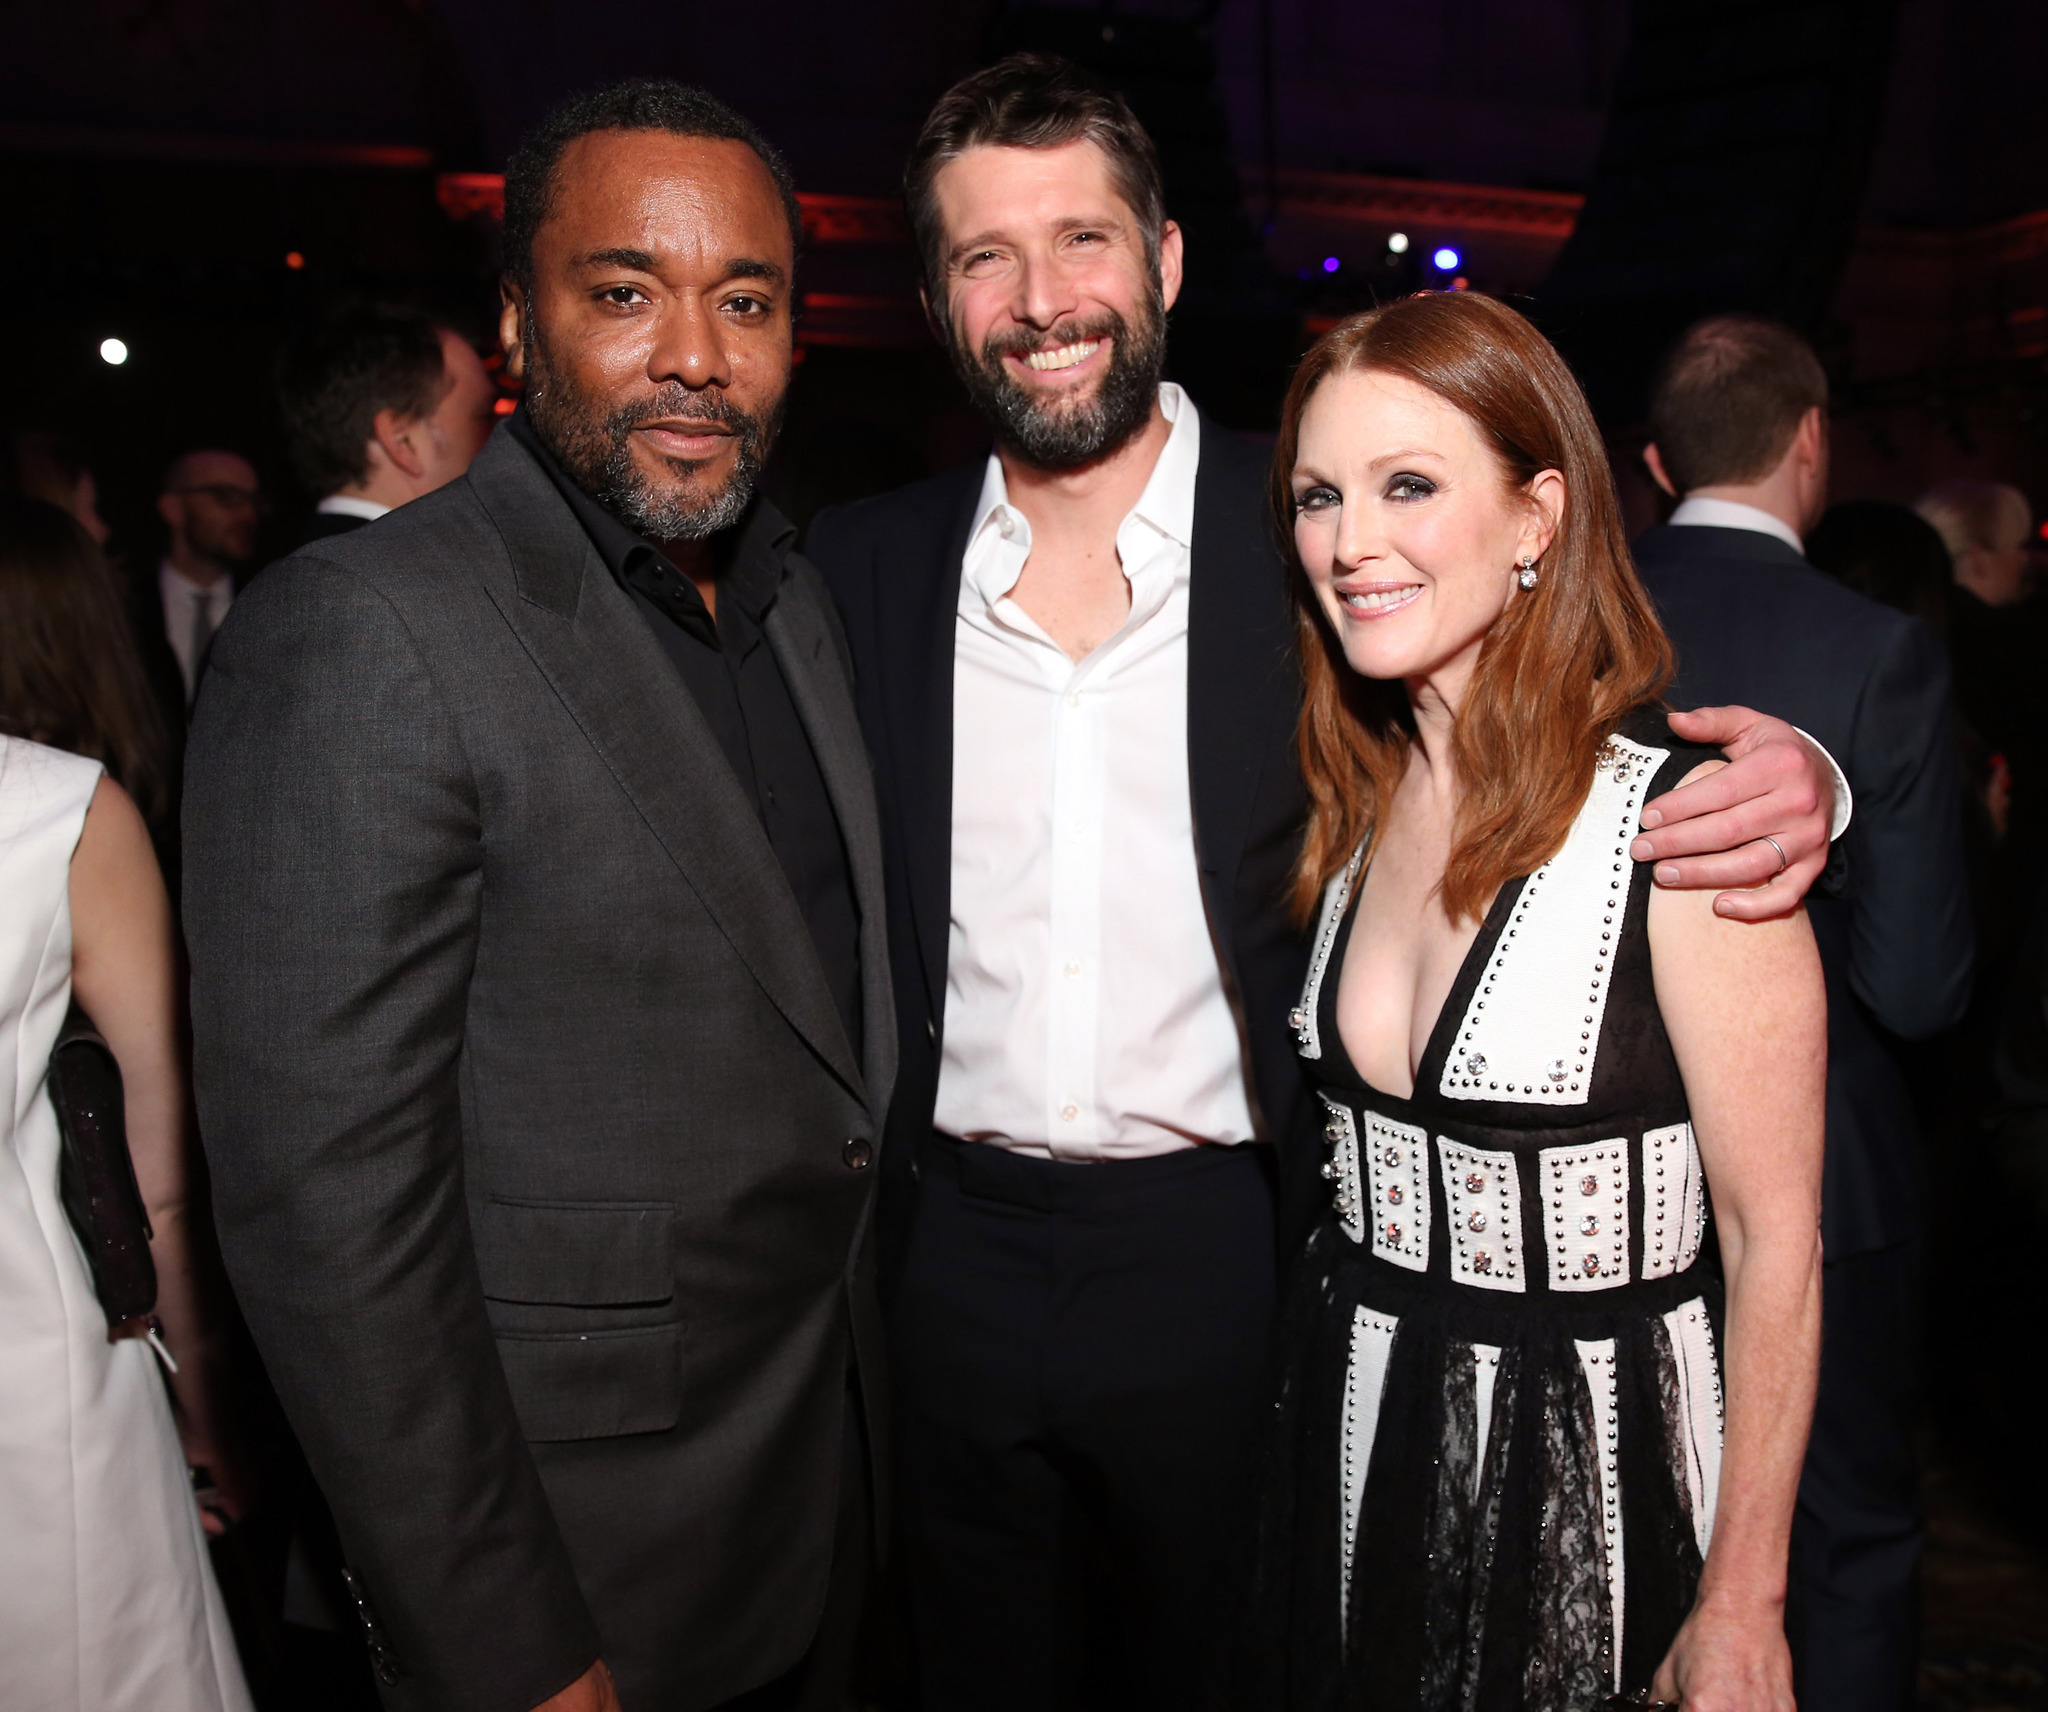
x=1549 y=1052
x=1510 y=1310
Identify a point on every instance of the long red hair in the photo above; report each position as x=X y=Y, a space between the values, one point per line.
x=1560 y=666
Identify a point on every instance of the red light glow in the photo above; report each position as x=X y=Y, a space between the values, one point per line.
x=293 y=260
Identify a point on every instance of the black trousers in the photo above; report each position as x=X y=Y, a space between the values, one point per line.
x=1853 y=1614
x=817 y=1682
x=1080 y=1352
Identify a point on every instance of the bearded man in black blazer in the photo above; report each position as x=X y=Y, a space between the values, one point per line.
x=540 y=988
x=1740 y=416
x=1076 y=670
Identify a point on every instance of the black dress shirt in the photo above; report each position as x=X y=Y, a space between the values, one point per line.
x=730 y=670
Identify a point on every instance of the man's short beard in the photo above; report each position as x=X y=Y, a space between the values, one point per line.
x=595 y=447
x=1058 y=434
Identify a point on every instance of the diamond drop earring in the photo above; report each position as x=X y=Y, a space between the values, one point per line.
x=1527 y=578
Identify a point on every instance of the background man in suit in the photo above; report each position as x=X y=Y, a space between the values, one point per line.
x=1076 y=672
x=380 y=406
x=211 y=502
x=1740 y=417
x=542 y=1007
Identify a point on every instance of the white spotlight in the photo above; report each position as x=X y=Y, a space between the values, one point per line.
x=1397 y=243
x=113 y=351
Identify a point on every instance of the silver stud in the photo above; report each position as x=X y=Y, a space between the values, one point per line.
x=1592 y=1260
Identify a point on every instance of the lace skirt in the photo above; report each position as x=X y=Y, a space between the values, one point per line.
x=1478 y=1506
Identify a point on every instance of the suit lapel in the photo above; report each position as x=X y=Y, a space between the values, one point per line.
x=797 y=629
x=1242 y=678
x=590 y=643
x=923 y=596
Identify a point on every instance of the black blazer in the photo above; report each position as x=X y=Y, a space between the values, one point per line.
x=541 y=1157
x=1755 y=624
x=894 y=566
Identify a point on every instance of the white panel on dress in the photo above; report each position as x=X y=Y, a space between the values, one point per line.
x=1397 y=1157
x=1699 y=1408
x=1483 y=1201
x=1585 y=1214
x=1597 y=1360
x=1340 y=1130
x=1372 y=1343
x=1336 y=895
x=1485 y=1370
x=1674 y=1200
x=1531 y=1033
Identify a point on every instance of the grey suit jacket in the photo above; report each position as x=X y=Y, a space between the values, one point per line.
x=539 y=1151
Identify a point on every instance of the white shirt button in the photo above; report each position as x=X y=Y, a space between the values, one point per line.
x=1073 y=969
x=1073 y=698
x=1069 y=1112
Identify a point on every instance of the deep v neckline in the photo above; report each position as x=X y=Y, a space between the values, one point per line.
x=1457 y=1002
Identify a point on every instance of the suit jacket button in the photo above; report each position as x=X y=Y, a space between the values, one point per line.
x=857 y=1154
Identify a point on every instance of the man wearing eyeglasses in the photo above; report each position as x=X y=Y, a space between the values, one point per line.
x=210 y=502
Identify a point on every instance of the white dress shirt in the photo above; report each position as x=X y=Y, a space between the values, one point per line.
x=184 y=602
x=1701 y=511
x=348 y=505
x=1086 y=1013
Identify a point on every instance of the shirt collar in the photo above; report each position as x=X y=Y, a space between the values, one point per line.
x=1167 y=505
x=751 y=556
x=348 y=505
x=1703 y=511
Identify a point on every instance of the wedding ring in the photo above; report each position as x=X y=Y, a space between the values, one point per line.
x=1784 y=861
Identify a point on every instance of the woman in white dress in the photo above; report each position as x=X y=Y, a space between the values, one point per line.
x=107 y=1600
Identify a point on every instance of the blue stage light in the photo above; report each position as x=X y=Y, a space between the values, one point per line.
x=1446 y=259
x=1331 y=264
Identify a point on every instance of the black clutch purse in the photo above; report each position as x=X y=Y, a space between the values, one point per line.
x=95 y=1175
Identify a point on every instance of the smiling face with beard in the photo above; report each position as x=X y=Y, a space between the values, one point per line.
x=1076 y=426
x=1055 y=300
x=655 y=335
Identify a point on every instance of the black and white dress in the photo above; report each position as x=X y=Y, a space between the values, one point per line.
x=1491 y=1476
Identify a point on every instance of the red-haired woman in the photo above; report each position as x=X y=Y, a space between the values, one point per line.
x=1550 y=1357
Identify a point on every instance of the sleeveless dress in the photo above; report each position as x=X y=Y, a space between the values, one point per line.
x=1494 y=1451
x=107 y=1600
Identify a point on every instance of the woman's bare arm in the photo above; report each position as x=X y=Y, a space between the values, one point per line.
x=1746 y=1010
x=124 y=975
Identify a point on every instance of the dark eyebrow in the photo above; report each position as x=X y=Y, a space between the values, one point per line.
x=1066 y=223
x=639 y=261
